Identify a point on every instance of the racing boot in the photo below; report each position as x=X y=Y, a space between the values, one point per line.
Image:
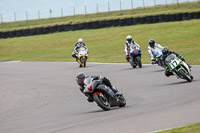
x=90 y=99
x=115 y=90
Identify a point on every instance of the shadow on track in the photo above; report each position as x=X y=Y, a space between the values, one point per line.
x=180 y=83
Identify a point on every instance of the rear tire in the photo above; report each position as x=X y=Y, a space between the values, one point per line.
x=185 y=76
x=102 y=102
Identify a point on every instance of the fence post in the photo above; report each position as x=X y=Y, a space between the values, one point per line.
x=132 y=4
x=108 y=6
x=38 y=14
x=74 y=10
x=61 y=12
x=120 y=5
x=15 y=16
x=166 y=2
x=85 y=9
x=155 y=2
x=97 y=8
x=26 y=16
x=1 y=18
x=177 y=3
x=143 y=4
x=50 y=11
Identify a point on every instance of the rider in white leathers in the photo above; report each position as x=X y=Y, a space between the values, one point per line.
x=128 y=43
x=78 y=45
x=152 y=48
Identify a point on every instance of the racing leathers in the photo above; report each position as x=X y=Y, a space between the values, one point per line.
x=78 y=45
x=127 y=48
x=167 y=71
x=104 y=80
x=152 y=51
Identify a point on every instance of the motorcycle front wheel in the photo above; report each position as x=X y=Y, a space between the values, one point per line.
x=102 y=102
x=185 y=76
x=121 y=101
x=138 y=58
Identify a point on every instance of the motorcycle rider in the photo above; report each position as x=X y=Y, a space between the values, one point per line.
x=151 y=49
x=128 y=43
x=80 y=81
x=78 y=45
x=166 y=52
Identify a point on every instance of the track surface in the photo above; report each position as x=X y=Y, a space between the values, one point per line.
x=43 y=97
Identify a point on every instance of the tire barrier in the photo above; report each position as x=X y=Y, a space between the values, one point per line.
x=12 y=34
x=102 y=24
x=19 y=33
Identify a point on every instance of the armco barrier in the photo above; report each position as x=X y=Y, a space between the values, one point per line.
x=101 y=24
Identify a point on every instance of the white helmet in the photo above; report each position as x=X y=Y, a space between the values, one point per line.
x=129 y=38
x=80 y=40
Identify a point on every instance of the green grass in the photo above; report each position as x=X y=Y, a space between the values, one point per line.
x=106 y=44
x=183 y=7
x=195 y=128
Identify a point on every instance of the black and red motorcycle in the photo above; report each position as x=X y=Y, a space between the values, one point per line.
x=103 y=95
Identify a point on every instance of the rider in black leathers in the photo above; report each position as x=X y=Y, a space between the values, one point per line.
x=166 y=52
x=80 y=81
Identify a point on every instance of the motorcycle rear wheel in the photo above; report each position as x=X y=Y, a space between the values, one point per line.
x=185 y=76
x=102 y=102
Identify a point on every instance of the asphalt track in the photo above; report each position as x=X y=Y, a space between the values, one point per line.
x=43 y=97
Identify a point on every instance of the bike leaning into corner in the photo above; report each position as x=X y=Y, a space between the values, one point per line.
x=178 y=67
x=102 y=94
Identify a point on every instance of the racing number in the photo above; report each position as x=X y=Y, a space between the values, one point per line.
x=174 y=63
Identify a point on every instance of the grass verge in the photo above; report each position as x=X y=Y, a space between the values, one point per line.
x=194 y=128
x=106 y=44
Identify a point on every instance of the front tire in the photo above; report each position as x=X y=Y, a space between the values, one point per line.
x=122 y=101
x=138 y=58
x=102 y=102
x=185 y=76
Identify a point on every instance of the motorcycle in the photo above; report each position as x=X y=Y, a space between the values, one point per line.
x=82 y=57
x=178 y=67
x=158 y=56
x=135 y=56
x=102 y=94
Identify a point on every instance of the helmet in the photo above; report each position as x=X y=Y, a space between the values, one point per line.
x=80 y=40
x=129 y=38
x=152 y=43
x=80 y=78
x=165 y=51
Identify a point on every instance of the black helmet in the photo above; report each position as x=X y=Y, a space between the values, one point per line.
x=165 y=51
x=152 y=43
x=80 y=79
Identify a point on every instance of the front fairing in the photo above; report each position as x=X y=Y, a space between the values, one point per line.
x=134 y=51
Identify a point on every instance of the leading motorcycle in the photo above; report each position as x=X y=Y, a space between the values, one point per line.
x=178 y=67
x=102 y=94
x=82 y=56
